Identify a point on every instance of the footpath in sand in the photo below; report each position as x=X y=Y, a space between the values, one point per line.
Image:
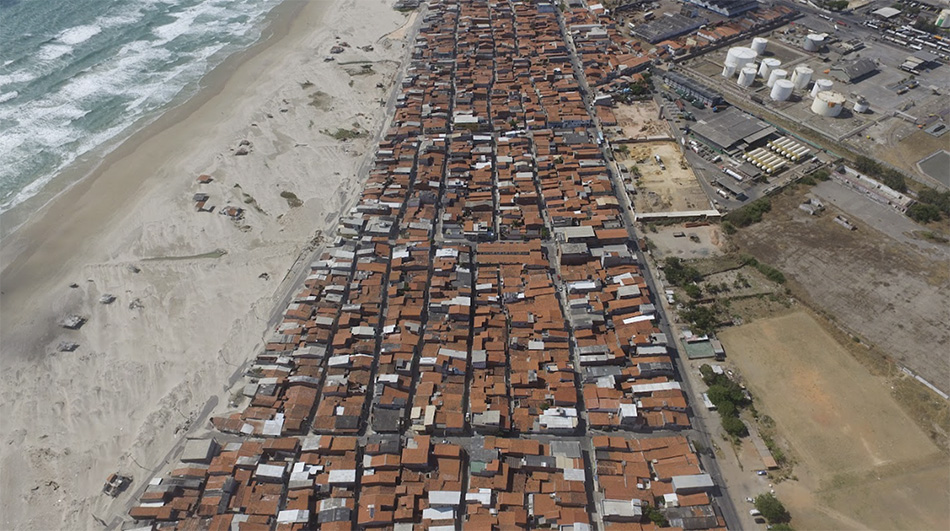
x=861 y=461
x=194 y=290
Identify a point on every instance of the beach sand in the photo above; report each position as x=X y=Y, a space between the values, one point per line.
x=206 y=286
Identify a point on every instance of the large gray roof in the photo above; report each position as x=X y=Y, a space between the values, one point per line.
x=731 y=127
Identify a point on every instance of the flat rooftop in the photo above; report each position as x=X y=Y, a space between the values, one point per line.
x=732 y=127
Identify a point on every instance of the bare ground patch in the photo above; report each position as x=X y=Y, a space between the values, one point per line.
x=881 y=291
x=860 y=456
x=667 y=185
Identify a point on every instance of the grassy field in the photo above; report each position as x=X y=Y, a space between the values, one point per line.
x=862 y=462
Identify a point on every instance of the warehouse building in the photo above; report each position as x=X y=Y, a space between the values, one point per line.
x=667 y=27
x=732 y=131
x=689 y=87
x=854 y=71
x=726 y=8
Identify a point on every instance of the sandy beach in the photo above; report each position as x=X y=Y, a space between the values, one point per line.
x=194 y=290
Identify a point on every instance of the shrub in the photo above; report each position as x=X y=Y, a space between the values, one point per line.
x=693 y=291
x=728 y=227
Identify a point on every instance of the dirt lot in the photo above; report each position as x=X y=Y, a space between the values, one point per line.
x=861 y=461
x=666 y=245
x=641 y=120
x=674 y=189
x=885 y=292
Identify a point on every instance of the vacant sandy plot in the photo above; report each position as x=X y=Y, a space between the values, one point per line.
x=862 y=461
x=667 y=186
x=665 y=244
x=641 y=120
x=886 y=292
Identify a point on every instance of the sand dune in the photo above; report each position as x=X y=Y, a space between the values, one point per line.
x=148 y=363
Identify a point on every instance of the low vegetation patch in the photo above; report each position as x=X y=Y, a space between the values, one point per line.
x=344 y=134
x=749 y=214
x=320 y=100
x=292 y=200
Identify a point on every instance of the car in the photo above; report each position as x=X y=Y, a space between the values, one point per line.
x=750 y=500
x=761 y=472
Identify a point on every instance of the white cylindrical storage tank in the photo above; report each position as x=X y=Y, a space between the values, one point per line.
x=768 y=64
x=728 y=71
x=828 y=103
x=782 y=89
x=802 y=76
x=775 y=75
x=861 y=105
x=746 y=76
x=739 y=56
x=820 y=86
x=759 y=44
x=813 y=42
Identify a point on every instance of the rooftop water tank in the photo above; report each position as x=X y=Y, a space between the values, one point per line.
x=802 y=76
x=814 y=42
x=775 y=75
x=759 y=44
x=781 y=90
x=828 y=103
x=739 y=56
x=820 y=86
x=746 y=76
x=768 y=64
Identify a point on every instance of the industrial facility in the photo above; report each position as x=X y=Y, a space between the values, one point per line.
x=731 y=131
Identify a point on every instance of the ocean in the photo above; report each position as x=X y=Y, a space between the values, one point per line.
x=76 y=75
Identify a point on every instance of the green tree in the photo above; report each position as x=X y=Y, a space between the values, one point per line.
x=930 y=196
x=693 y=291
x=772 y=509
x=735 y=427
x=679 y=273
x=922 y=213
x=702 y=318
x=655 y=516
x=725 y=390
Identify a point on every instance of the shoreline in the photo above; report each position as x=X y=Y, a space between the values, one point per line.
x=276 y=25
x=75 y=183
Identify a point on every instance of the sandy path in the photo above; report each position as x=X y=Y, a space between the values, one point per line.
x=149 y=362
